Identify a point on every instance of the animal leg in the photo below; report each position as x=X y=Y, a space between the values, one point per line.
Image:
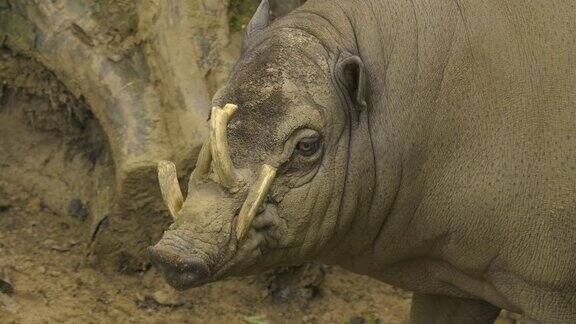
x=431 y=309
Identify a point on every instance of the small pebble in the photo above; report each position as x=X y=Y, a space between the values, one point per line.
x=6 y=287
x=115 y=57
x=356 y=320
x=168 y=298
x=77 y=210
x=34 y=205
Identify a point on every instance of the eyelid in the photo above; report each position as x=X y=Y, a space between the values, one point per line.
x=291 y=144
x=312 y=138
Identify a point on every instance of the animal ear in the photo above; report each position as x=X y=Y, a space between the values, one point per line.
x=351 y=77
x=258 y=22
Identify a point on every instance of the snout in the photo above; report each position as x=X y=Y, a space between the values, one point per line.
x=180 y=270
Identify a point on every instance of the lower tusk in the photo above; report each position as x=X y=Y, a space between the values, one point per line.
x=170 y=187
x=203 y=162
x=255 y=198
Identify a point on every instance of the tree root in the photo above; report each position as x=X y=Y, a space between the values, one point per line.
x=151 y=100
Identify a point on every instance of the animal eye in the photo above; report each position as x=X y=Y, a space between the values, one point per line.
x=308 y=146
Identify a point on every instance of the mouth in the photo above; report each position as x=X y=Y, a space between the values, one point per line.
x=181 y=272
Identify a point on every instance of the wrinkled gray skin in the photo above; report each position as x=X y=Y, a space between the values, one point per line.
x=446 y=164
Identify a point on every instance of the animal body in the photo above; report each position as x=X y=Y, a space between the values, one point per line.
x=430 y=144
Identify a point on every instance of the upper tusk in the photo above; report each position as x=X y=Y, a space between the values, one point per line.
x=255 y=198
x=203 y=162
x=219 y=144
x=170 y=187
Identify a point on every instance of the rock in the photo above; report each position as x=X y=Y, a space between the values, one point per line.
x=115 y=57
x=4 y=207
x=297 y=282
x=146 y=303
x=128 y=264
x=55 y=273
x=168 y=297
x=256 y=319
x=356 y=320
x=6 y=287
x=77 y=210
x=370 y=319
x=116 y=314
x=34 y=205
x=309 y=319
x=60 y=247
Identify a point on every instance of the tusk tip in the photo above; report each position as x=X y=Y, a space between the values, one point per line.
x=169 y=187
x=254 y=200
x=230 y=109
x=166 y=165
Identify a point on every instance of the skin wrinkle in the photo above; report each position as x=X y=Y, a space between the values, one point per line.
x=417 y=33
x=446 y=63
x=317 y=193
x=375 y=168
x=393 y=207
x=312 y=59
x=346 y=103
x=341 y=199
x=440 y=263
x=177 y=247
x=270 y=237
x=524 y=290
x=340 y=207
x=196 y=250
x=303 y=11
x=389 y=61
x=312 y=207
x=351 y=25
x=245 y=249
x=302 y=30
x=344 y=99
x=304 y=245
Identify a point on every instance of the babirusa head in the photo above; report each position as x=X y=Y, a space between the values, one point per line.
x=268 y=186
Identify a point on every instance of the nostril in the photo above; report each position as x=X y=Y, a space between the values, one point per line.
x=180 y=271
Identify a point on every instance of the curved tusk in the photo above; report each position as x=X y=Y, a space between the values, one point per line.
x=254 y=200
x=170 y=187
x=203 y=162
x=219 y=144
